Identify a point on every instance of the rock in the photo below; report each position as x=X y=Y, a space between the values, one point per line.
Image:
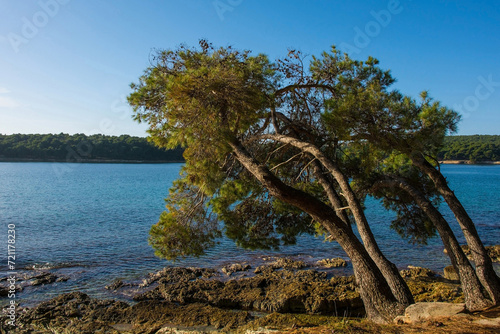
x=235 y=267
x=419 y=312
x=488 y=322
x=413 y=272
x=332 y=263
x=62 y=279
x=280 y=263
x=191 y=300
x=287 y=263
x=261 y=330
x=399 y=320
x=176 y=330
x=41 y=278
x=78 y=313
x=115 y=285
x=493 y=252
x=426 y=290
x=451 y=274
x=123 y=327
x=44 y=278
x=5 y=288
x=306 y=291
x=174 y=274
x=264 y=269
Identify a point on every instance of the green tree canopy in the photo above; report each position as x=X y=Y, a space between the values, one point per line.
x=80 y=147
x=275 y=150
x=251 y=130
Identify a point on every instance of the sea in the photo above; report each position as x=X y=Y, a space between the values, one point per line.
x=90 y=223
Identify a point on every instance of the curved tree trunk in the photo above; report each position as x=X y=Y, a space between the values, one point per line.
x=332 y=194
x=389 y=270
x=484 y=267
x=380 y=303
x=471 y=286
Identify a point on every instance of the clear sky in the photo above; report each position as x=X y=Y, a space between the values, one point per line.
x=66 y=65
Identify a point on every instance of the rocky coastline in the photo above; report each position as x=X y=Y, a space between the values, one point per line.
x=284 y=295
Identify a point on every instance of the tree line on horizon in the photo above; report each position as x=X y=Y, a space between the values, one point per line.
x=65 y=147
x=80 y=147
x=475 y=148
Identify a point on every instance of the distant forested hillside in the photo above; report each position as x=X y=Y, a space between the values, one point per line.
x=80 y=147
x=474 y=148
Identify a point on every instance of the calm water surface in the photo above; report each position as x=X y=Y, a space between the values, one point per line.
x=91 y=221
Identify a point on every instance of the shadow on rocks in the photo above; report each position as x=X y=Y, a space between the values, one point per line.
x=305 y=291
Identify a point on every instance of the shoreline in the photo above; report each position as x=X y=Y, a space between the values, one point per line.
x=91 y=161
x=123 y=161
x=281 y=296
x=468 y=162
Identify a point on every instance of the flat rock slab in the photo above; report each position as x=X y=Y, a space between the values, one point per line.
x=123 y=327
x=425 y=311
x=187 y=330
x=488 y=322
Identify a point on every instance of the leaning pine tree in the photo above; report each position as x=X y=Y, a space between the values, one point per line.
x=394 y=123
x=258 y=159
x=415 y=200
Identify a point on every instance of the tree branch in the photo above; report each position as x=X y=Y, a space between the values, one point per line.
x=302 y=86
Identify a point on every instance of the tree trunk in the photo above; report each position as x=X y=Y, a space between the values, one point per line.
x=378 y=299
x=389 y=270
x=380 y=303
x=332 y=194
x=484 y=266
x=471 y=286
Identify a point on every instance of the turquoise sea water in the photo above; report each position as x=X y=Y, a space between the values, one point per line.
x=91 y=221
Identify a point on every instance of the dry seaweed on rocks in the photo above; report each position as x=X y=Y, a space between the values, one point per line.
x=178 y=274
x=235 y=267
x=78 y=313
x=306 y=291
x=190 y=300
x=280 y=263
x=332 y=263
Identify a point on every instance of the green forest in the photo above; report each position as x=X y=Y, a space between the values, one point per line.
x=80 y=147
x=475 y=148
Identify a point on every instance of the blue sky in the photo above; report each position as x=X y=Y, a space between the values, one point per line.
x=66 y=65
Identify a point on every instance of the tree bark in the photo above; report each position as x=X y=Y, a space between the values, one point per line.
x=484 y=266
x=389 y=270
x=332 y=194
x=475 y=298
x=380 y=303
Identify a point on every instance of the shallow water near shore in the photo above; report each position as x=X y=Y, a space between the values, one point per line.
x=90 y=223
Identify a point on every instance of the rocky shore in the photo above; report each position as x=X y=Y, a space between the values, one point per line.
x=493 y=252
x=284 y=295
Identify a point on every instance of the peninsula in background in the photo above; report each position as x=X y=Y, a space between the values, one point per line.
x=128 y=149
x=82 y=148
